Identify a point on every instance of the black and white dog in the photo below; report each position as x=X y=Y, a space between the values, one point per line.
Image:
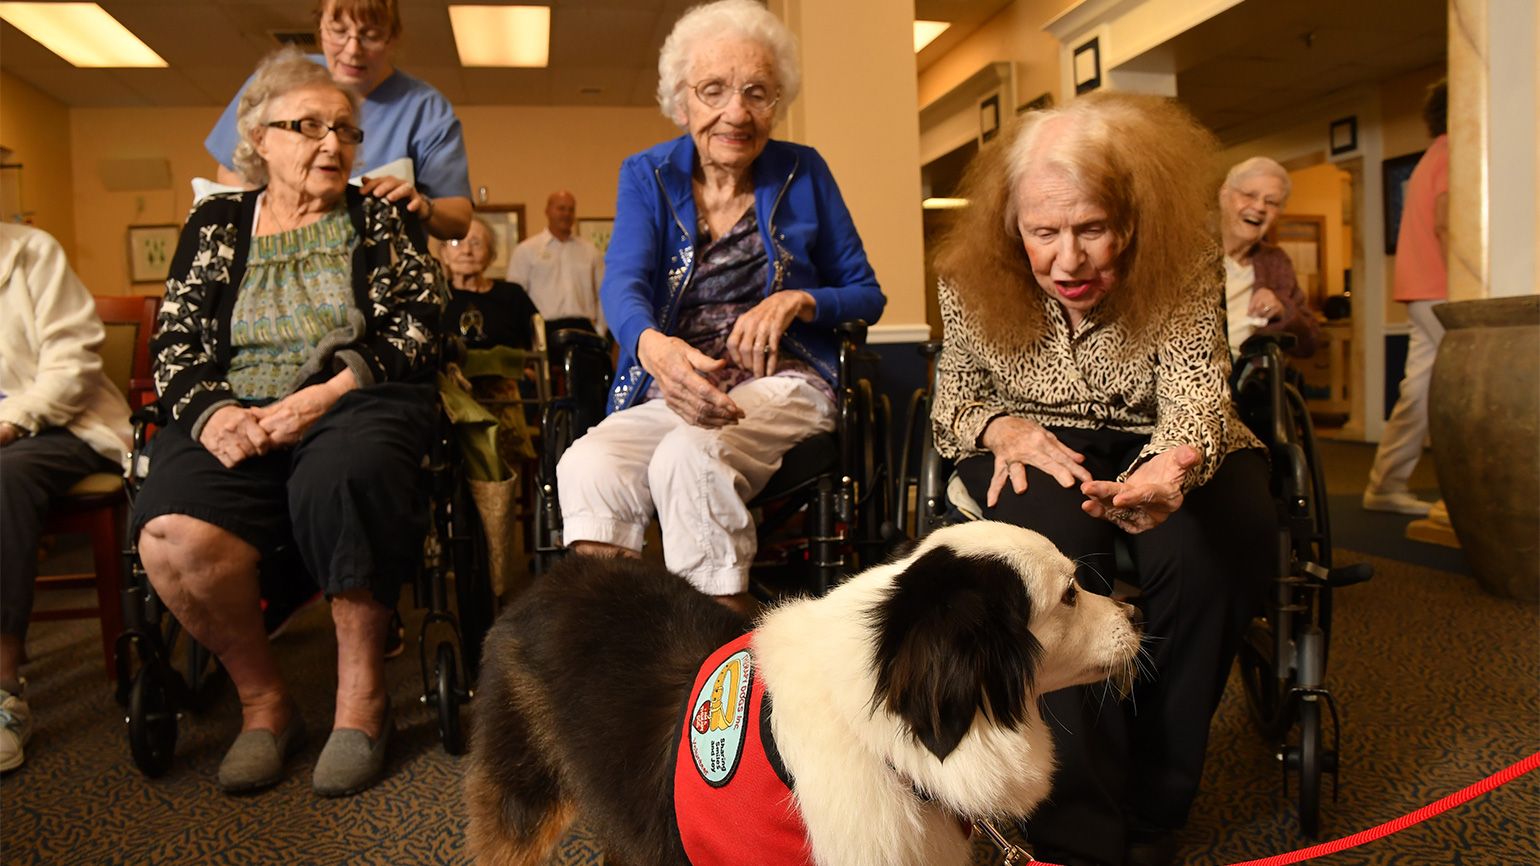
x=889 y=711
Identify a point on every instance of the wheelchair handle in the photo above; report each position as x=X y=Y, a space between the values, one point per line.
x=855 y=329
x=1257 y=343
x=578 y=338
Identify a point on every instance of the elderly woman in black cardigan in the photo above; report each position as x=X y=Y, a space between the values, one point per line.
x=294 y=361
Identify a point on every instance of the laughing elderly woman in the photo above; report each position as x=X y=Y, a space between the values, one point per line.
x=291 y=358
x=1083 y=390
x=732 y=260
x=1262 y=295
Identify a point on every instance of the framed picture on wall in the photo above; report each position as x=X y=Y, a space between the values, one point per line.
x=1088 y=66
x=507 y=224
x=1396 y=173
x=989 y=117
x=596 y=230
x=149 y=252
x=1344 y=135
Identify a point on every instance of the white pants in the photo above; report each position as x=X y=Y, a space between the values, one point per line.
x=1401 y=444
x=647 y=459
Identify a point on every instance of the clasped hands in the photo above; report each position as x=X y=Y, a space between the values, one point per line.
x=1143 y=501
x=681 y=370
x=235 y=433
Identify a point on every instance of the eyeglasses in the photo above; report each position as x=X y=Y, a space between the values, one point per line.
x=369 y=40
x=471 y=243
x=756 y=97
x=312 y=128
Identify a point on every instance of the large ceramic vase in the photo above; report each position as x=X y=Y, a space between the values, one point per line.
x=1484 y=418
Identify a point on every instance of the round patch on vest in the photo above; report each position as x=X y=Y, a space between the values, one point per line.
x=719 y=717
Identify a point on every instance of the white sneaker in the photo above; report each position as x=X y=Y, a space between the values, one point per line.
x=15 y=730
x=1400 y=502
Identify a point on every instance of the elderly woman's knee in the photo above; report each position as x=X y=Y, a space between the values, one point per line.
x=178 y=540
x=586 y=465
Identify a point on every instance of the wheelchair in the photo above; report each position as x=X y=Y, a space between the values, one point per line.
x=1283 y=653
x=155 y=691
x=1284 y=650
x=836 y=484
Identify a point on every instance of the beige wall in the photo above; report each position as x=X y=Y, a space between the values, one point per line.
x=872 y=143
x=519 y=154
x=102 y=217
x=1015 y=34
x=36 y=128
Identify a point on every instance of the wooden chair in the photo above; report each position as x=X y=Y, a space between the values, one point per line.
x=96 y=505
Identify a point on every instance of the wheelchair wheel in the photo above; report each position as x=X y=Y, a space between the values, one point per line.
x=473 y=578
x=151 y=722
x=447 y=693
x=1258 y=677
x=1311 y=763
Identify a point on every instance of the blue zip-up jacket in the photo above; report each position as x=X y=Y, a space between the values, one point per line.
x=807 y=231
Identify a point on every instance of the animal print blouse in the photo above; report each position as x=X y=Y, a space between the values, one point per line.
x=1176 y=394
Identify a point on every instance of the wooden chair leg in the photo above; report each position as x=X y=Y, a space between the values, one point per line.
x=106 y=550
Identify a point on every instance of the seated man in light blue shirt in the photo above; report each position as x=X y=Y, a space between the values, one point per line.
x=402 y=118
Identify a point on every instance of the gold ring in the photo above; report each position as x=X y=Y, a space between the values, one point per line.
x=767 y=348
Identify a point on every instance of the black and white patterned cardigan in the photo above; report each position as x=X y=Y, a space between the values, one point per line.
x=398 y=291
x=1176 y=393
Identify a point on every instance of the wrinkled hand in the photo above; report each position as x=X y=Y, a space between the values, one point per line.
x=1264 y=304
x=1152 y=492
x=678 y=367
x=233 y=434
x=755 y=341
x=394 y=189
x=286 y=421
x=1018 y=443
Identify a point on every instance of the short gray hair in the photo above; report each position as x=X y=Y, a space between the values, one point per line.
x=279 y=73
x=1259 y=165
x=725 y=18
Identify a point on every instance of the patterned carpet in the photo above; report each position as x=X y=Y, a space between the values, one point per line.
x=1439 y=685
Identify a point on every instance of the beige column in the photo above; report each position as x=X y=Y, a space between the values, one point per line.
x=1493 y=170
x=858 y=109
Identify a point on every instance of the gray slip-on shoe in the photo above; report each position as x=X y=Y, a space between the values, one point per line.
x=255 y=759
x=350 y=762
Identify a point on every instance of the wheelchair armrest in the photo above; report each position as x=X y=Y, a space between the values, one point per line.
x=1258 y=343
x=577 y=338
x=148 y=414
x=855 y=330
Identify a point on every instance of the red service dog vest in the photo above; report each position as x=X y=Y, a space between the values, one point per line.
x=731 y=798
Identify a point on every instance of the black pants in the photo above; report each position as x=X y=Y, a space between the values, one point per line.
x=33 y=472
x=1138 y=764
x=349 y=499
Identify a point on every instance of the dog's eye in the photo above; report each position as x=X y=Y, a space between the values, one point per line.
x=1070 y=592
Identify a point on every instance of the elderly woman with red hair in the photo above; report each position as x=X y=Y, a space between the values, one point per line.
x=1083 y=390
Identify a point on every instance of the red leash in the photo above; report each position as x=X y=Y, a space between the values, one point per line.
x=1496 y=780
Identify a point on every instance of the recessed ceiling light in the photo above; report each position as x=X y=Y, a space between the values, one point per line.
x=925 y=32
x=82 y=33
x=944 y=203
x=502 y=35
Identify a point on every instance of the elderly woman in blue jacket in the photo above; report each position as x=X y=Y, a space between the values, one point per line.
x=732 y=260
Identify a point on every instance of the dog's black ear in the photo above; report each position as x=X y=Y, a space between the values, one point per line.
x=953 y=639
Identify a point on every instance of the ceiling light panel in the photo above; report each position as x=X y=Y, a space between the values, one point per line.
x=82 y=33
x=518 y=36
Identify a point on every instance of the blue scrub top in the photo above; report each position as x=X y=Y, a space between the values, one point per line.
x=402 y=117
